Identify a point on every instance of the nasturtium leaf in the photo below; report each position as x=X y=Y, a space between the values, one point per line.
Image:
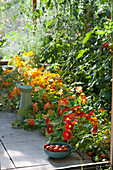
x=100 y=32
x=81 y=52
x=87 y=37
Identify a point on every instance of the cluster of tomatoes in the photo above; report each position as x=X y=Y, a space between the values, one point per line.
x=56 y=148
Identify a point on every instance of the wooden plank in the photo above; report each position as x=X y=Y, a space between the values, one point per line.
x=2 y=63
x=86 y=166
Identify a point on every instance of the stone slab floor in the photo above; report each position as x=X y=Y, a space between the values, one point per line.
x=23 y=150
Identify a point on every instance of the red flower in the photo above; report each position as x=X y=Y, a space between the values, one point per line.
x=75 y=121
x=67 y=117
x=67 y=134
x=69 y=125
x=62 y=111
x=94 y=129
x=59 y=110
x=50 y=129
x=31 y=122
x=105 y=45
x=47 y=121
x=76 y=108
x=91 y=113
x=65 y=110
x=81 y=114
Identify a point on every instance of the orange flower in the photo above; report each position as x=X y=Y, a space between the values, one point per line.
x=102 y=110
x=110 y=111
x=31 y=122
x=49 y=112
x=20 y=70
x=12 y=94
x=64 y=102
x=107 y=140
x=83 y=99
x=44 y=116
x=7 y=71
x=47 y=105
x=6 y=83
x=79 y=89
x=72 y=97
x=35 y=108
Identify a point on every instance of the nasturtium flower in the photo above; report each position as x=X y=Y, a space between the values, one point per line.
x=49 y=112
x=44 y=116
x=76 y=108
x=66 y=118
x=79 y=89
x=64 y=102
x=30 y=53
x=75 y=121
x=35 y=108
x=50 y=129
x=69 y=125
x=25 y=54
x=7 y=71
x=20 y=70
x=12 y=94
x=67 y=134
x=83 y=99
x=94 y=130
x=102 y=110
x=65 y=110
x=31 y=122
x=47 y=105
x=6 y=83
x=47 y=121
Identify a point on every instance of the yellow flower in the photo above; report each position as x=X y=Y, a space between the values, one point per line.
x=25 y=54
x=30 y=53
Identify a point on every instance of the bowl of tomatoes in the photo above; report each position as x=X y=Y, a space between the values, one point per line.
x=57 y=150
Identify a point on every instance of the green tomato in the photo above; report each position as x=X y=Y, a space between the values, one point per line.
x=96 y=159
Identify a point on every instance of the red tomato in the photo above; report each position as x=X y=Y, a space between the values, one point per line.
x=90 y=153
x=105 y=45
x=45 y=145
x=50 y=148
x=53 y=146
x=56 y=149
x=47 y=148
x=58 y=146
x=61 y=150
x=64 y=146
x=66 y=149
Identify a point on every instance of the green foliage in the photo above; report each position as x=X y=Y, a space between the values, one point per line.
x=70 y=34
x=75 y=32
